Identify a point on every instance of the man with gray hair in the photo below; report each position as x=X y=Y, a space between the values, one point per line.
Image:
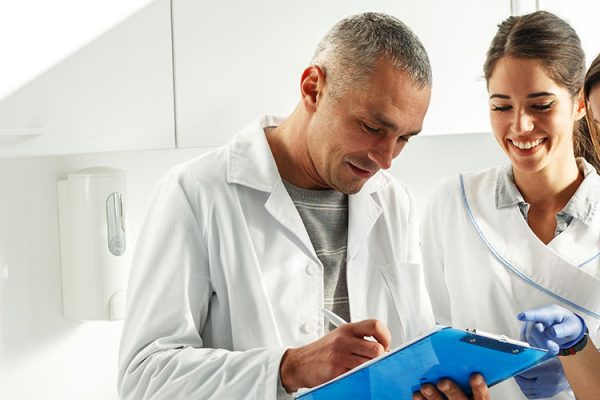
x=244 y=246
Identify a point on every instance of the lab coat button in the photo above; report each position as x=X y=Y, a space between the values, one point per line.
x=311 y=269
x=309 y=327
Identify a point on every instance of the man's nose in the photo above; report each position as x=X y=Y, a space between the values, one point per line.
x=384 y=152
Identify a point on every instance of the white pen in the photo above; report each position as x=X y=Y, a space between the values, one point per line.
x=337 y=321
x=332 y=317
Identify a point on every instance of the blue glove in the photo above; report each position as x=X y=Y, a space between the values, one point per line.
x=550 y=327
x=543 y=381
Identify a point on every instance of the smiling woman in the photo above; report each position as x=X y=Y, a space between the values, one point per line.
x=510 y=238
x=532 y=117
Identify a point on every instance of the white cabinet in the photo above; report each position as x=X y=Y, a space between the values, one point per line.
x=583 y=17
x=237 y=59
x=115 y=93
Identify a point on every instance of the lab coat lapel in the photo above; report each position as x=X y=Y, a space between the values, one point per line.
x=507 y=235
x=283 y=210
x=578 y=244
x=251 y=164
x=363 y=212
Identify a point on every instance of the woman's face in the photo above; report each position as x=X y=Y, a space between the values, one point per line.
x=594 y=104
x=532 y=116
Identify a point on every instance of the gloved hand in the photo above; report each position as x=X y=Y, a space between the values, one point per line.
x=550 y=327
x=543 y=381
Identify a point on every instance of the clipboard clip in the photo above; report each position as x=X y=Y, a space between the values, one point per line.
x=497 y=342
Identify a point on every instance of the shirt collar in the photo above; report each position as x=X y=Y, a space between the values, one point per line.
x=582 y=205
x=585 y=201
x=507 y=194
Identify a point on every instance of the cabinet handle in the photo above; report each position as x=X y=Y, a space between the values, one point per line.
x=24 y=132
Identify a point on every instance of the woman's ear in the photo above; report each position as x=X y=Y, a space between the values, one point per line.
x=580 y=106
x=311 y=86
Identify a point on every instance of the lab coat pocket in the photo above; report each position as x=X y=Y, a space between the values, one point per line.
x=407 y=289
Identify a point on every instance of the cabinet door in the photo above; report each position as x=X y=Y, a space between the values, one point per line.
x=115 y=93
x=235 y=60
x=583 y=17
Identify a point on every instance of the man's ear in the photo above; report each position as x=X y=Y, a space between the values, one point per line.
x=580 y=107
x=311 y=86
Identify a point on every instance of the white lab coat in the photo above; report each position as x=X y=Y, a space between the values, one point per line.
x=484 y=265
x=225 y=278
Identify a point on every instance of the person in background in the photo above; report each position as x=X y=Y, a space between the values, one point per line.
x=565 y=334
x=588 y=143
x=243 y=246
x=520 y=236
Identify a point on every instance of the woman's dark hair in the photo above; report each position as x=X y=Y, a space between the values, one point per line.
x=548 y=39
x=589 y=133
x=592 y=78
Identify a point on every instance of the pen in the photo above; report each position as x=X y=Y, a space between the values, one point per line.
x=337 y=321
x=332 y=317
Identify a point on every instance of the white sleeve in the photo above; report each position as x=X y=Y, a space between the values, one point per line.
x=414 y=248
x=433 y=228
x=169 y=293
x=423 y=318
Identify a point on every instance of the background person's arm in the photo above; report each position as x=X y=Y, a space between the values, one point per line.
x=583 y=372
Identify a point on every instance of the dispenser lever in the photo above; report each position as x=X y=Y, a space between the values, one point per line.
x=115 y=223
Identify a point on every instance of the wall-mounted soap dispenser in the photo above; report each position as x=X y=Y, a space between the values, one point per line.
x=93 y=243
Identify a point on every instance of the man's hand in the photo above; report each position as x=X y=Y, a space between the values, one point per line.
x=453 y=391
x=334 y=354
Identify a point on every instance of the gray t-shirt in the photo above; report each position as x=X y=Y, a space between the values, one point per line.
x=325 y=216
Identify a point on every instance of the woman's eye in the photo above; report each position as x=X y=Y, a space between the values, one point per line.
x=371 y=129
x=543 y=107
x=500 y=108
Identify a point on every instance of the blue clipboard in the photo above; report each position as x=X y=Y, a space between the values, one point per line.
x=444 y=353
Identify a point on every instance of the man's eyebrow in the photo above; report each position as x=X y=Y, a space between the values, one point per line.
x=411 y=134
x=380 y=119
x=393 y=127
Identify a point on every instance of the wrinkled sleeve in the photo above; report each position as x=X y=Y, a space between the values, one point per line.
x=421 y=318
x=433 y=226
x=413 y=245
x=162 y=354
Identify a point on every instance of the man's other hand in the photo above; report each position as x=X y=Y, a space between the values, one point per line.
x=453 y=391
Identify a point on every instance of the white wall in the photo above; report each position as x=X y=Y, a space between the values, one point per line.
x=42 y=355
x=45 y=37
x=429 y=159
